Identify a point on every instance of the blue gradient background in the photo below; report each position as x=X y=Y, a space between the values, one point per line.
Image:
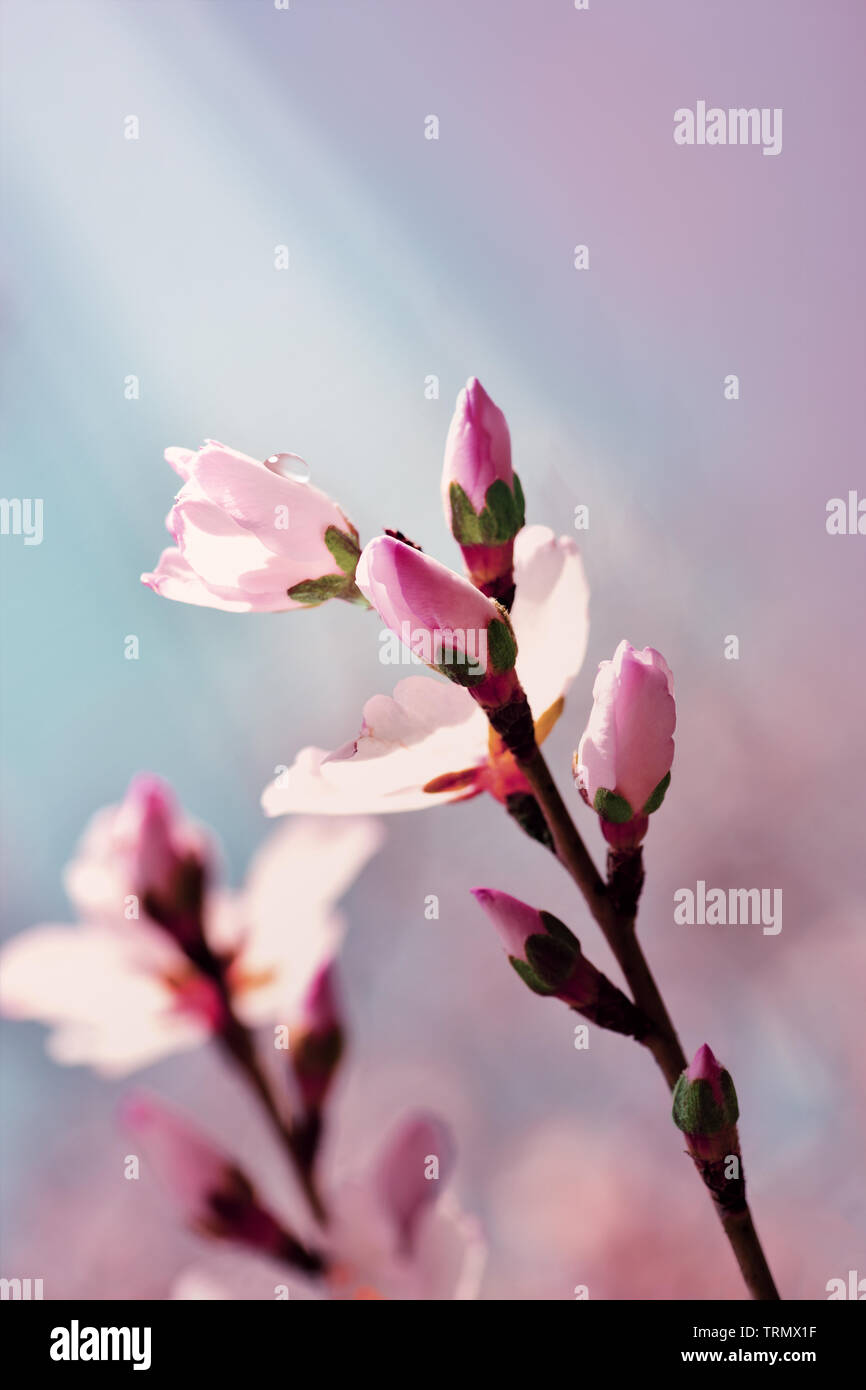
x=707 y=517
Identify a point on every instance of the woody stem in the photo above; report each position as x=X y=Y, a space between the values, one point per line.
x=618 y=927
x=239 y=1044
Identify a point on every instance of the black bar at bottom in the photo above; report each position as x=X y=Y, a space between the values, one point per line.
x=244 y=1338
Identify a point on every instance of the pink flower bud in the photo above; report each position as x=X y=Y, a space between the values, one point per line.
x=545 y=954
x=442 y=618
x=622 y=765
x=215 y=1196
x=249 y=538
x=316 y=1041
x=483 y=499
x=706 y=1109
x=146 y=849
x=478 y=447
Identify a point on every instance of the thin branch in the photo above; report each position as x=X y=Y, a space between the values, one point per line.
x=240 y=1046
x=618 y=926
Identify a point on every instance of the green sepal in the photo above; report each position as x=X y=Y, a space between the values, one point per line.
x=552 y=960
x=528 y=976
x=611 y=807
x=519 y=503
x=501 y=645
x=465 y=526
x=696 y=1110
x=499 y=521
x=315 y=591
x=657 y=797
x=559 y=931
x=344 y=548
x=460 y=672
x=525 y=810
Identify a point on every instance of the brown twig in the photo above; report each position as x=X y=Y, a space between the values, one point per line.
x=238 y=1043
x=614 y=908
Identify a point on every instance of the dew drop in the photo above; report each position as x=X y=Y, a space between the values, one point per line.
x=289 y=466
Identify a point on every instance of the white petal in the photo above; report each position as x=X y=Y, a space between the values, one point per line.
x=286 y=910
x=550 y=614
x=426 y=729
x=100 y=988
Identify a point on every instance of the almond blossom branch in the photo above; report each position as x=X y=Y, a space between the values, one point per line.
x=615 y=908
x=217 y=1197
x=633 y=710
x=239 y=1045
x=619 y=930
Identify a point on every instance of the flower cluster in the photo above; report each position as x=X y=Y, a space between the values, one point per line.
x=162 y=957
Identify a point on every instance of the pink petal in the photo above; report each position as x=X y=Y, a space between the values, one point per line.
x=515 y=921
x=414 y=594
x=183 y=1160
x=180 y=460
x=232 y=560
x=478 y=447
x=400 y=1177
x=174 y=578
x=250 y=493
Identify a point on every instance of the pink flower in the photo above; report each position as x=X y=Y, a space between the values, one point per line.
x=622 y=765
x=419 y=1155
x=120 y=991
x=430 y=742
x=395 y=1233
x=483 y=499
x=249 y=539
x=392 y=1233
x=216 y=1198
x=142 y=856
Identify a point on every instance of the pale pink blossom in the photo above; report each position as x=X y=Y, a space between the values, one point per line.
x=114 y=1000
x=249 y=539
x=120 y=993
x=627 y=749
x=394 y=1232
x=430 y=742
x=142 y=855
x=283 y=926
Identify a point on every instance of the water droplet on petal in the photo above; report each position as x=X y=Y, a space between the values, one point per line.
x=289 y=466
